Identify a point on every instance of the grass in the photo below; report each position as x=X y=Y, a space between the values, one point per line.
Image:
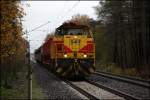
x=37 y=91
x=19 y=88
x=114 y=69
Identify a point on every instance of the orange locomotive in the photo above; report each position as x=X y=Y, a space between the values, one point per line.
x=70 y=52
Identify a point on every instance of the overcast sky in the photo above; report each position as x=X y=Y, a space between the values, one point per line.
x=40 y=12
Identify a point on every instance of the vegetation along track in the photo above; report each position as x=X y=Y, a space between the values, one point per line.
x=131 y=80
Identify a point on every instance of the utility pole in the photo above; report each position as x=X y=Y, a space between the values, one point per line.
x=29 y=76
x=29 y=64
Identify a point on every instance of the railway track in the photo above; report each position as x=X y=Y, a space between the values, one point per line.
x=131 y=80
x=114 y=91
x=92 y=96
x=98 y=85
x=126 y=87
x=83 y=92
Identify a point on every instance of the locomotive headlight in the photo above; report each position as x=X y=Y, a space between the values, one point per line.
x=75 y=37
x=65 y=55
x=84 y=56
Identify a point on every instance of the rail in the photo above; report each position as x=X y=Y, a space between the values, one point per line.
x=119 y=93
x=88 y=95
x=125 y=79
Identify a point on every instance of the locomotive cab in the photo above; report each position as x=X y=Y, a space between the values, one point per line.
x=76 y=51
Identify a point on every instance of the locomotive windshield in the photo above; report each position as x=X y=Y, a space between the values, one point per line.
x=73 y=32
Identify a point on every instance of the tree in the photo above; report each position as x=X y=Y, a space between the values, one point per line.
x=80 y=19
x=127 y=31
x=13 y=46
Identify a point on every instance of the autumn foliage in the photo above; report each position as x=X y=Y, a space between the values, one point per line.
x=13 y=46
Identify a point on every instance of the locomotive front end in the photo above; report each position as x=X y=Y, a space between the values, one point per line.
x=78 y=52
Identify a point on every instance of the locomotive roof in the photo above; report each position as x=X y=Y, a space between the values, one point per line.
x=72 y=25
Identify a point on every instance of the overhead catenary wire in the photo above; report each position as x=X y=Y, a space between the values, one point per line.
x=62 y=10
x=35 y=40
x=39 y=27
x=67 y=12
x=71 y=8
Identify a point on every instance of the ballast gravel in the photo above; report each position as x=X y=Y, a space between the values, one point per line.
x=53 y=87
x=97 y=92
x=134 y=90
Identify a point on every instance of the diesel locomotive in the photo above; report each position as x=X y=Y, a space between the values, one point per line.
x=70 y=52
